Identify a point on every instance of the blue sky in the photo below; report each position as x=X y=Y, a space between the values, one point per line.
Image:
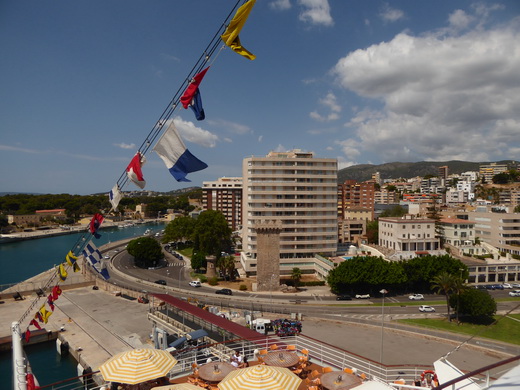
x=83 y=83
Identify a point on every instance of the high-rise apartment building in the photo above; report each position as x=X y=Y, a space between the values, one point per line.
x=298 y=190
x=352 y=194
x=224 y=195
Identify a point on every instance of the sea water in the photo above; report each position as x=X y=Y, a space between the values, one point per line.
x=24 y=259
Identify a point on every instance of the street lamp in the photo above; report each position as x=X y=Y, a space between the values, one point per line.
x=383 y=291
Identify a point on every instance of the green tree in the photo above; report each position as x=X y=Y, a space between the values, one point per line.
x=501 y=178
x=373 y=232
x=476 y=305
x=227 y=265
x=444 y=283
x=395 y=211
x=211 y=233
x=180 y=229
x=459 y=287
x=296 y=275
x=517 y=209
x=198 y=261
x=146 y=251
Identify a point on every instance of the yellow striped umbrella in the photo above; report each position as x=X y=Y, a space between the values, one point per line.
x=260 y=377
x=179 y=386
x=137 y=366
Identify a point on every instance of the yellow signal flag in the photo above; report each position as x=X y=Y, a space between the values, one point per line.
x=230 y=36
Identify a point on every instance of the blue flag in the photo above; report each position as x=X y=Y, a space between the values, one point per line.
x=177 y=158
x=196 y=106
x=95 y=259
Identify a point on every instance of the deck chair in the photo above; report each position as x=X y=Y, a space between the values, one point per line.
x=273 y=347
x=347 y=370
x=262 y=352
x=291 y=348
x=305 y=351
x=363 y=377
x=326 y=369
x=315 y=374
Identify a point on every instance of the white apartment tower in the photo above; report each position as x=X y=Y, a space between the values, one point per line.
x=298 y=190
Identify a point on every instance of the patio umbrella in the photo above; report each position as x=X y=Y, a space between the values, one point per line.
x=179 y=386
x=260 y=377
x=137 y=366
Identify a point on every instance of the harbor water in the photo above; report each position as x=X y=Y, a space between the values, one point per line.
x=24 y=259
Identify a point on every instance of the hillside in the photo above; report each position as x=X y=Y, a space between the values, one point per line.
x=397 y=170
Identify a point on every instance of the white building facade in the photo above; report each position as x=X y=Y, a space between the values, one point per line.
x=298 y=190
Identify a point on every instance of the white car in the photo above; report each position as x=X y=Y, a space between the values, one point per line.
x=515 y=293
x=426 y=309
x=507 y=285
x=362 y=296
x=416 y=297
x=195 y=283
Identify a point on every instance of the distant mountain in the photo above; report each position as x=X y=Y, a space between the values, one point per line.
x=397 y=170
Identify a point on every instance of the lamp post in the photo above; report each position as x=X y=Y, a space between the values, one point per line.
x=383 y=291
x=180 y=271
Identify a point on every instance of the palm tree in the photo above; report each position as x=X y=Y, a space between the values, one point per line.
x=444 y=283
x=459 y=287
x=296 y=275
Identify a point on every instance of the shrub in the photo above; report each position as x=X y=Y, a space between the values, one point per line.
x=213 y=281
x=203 y=278
x=243 y=287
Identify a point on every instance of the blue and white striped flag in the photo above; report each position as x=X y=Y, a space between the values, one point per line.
x=95 y=259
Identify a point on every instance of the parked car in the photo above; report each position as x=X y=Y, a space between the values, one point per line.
x=507 y=285
x=516 y=285
x=362 y=296
x=416 y=297
x=497 y=287
x=514 y=293
x=426 y=309
x=343 y=297
x=160 y=281
x=224 y=291
x=195 y=283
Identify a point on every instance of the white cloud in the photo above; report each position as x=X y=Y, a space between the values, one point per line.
x=232 y=127
x=389 y=14
x=280 y=5
x=122 y=145
x=460 y=19
x=330 y=102
x=316 y=12
x=260 y=138
x=437 y=96
x=190 y=132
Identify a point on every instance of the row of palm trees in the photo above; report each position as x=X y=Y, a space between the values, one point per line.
x=448 y=284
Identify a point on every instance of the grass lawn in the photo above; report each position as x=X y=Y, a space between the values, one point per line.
x=506 y=330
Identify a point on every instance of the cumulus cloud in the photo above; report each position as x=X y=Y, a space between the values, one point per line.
x=389 y=14
x=331 y=103
x=190 y=132
x=280 y=5
x=437 y=96
x=123 y=145
x=316 y=12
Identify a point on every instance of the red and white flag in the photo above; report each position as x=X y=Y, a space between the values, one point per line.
x=133 y=170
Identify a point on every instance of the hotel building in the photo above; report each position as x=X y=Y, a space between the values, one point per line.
x=298 y=190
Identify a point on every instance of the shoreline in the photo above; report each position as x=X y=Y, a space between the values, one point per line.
x=34 y=235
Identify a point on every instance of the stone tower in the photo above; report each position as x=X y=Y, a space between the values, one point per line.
x=268 y=257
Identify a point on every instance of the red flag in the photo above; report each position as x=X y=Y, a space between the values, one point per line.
x=95 y=224
x=192 y=88
x=56 y=292
x=133 y=170
x=35 y=323
x=27 y=335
